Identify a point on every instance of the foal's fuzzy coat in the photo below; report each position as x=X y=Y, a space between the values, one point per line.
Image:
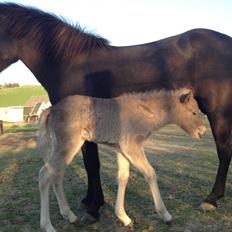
x=125 y=123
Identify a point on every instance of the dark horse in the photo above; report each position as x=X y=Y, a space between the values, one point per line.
x=67 y=61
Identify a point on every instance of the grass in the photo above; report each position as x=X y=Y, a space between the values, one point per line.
x=18 y=127
x=186 y=170
x=19 y=95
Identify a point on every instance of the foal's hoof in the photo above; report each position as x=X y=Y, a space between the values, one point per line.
x=75 y=223
x=131 y=226
x=88 y=219
x=205 y=206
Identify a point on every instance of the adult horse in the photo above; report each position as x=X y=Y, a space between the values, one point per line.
x=67 y=61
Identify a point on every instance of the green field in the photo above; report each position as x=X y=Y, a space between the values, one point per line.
x=19 y=95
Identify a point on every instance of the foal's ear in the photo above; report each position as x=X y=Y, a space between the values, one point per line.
x=184 y=97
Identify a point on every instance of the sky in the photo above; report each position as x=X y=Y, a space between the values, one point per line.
x=128 y=22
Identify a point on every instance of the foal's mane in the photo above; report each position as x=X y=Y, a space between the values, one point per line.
x=155 y=93
x=52 y=34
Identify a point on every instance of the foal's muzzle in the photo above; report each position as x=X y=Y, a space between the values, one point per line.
x=200 y=132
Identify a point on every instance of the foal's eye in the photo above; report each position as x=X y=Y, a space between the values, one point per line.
x=194 y=113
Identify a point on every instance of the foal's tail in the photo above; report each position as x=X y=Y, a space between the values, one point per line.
x=44 y=137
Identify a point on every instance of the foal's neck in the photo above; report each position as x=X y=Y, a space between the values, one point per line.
x=155 y=106
x=160 y=106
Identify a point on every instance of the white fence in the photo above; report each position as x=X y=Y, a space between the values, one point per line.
x=11 y=114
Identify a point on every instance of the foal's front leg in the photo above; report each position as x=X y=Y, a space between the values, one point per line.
x=137 y=157
x=123 y=175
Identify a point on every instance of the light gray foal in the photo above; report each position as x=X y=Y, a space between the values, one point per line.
x=125 y=123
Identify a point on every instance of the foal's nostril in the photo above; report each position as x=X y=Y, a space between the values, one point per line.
x=202 y=130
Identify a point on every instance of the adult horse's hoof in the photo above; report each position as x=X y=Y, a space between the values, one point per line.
x=88 y=219
x=82 y=206
x=87 y=202
x=168 y=223
x=206 y=206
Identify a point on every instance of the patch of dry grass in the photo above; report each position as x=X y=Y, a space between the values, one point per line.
x=186 y=170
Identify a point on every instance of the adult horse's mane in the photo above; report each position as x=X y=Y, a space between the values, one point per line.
x=51 y=34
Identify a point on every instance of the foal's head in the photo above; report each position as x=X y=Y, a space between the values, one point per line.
x=186 y=114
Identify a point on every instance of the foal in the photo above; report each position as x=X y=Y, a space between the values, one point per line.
x=125 y=123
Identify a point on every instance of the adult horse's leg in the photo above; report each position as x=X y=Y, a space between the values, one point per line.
x=95 y=198
x=222 y=135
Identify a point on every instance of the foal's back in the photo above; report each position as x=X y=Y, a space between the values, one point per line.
x=109 y=120
x=98 y=120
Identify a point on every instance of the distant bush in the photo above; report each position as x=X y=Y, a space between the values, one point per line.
x=9 y=85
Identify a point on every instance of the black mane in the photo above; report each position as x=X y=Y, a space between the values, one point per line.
x=56 y=36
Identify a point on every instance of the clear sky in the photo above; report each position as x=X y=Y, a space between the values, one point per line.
x=127 y=22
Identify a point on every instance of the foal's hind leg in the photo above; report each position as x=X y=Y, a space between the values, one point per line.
x=46 y=176
x=123 y=175
x=72 y=148
x=138 y=158
x=52 y=172
x=58 y=188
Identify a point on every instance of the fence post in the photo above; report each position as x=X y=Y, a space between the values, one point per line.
x=1 y=127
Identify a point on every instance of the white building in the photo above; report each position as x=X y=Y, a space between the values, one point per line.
x=11 y=114
x=32 y=108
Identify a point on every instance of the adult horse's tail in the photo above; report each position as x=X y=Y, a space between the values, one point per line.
x=44 y=135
